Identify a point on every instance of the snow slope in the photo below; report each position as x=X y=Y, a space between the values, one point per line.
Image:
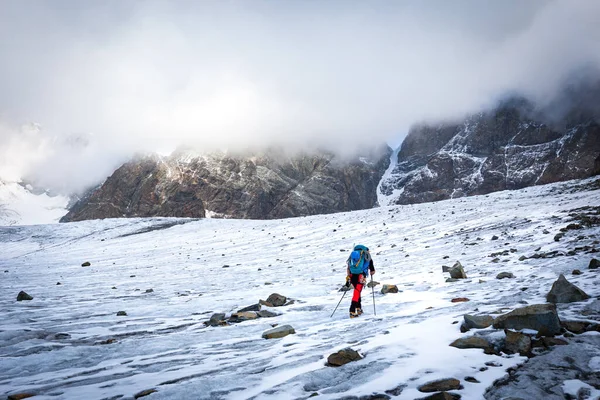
x=68 y=342
x=19 y=206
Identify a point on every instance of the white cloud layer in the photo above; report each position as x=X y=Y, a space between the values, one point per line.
x=145 y=76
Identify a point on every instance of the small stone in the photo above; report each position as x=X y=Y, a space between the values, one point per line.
x=267 y=314
x=576 y=272
x=343 y=357
x=149 y=290
x=471 y=379
x=459 y=300
x=243 y=316
x=517 y=342
x=279 y=332
x=23 y=296
x=253 y=307
x=86 y=264
x=478 y=321
x=121 y=313
x=495 y=237
x=457 y=271
x=19 y=396
x=389 y=289
x=522 y=258
x=144 y=393
x=58 y=283
x=276 y=300
x=472 y=342
x=594 y=264
x=225 y=266
x=216 y=319
x=503 y=275
x=372 y=284
x=440 y=385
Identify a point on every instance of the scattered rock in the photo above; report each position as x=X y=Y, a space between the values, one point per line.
x=267 y=314
x=540 y=317
x=495 y=237
x=517 y=342
x=149 y=290
x=576 y=272
x=144 y=393
x=564 y=291
x=265 y=303
x=23 y=296
x=576 y=327
x=503 y=275
x=225 y=266
x=459 y=300
x=445 y=268
x=558 y=236
x=278 y=332
x=243 y=316
x=389 y=289
x=121 y=313
x=342 y=357
x=276 y=300
x=253 y=307
x=86 y=264
x=216 y=319
x=397 y=391
x=372 y=284
x=441 y=396
x=473 y=342
x=440 y=385
x=19 y=396
x=522 y=258
x=457 y=271
x=58 y=283
x=478 y=321
x=471 y=379
x=594 y=264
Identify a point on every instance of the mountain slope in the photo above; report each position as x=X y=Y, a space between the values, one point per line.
x=259 y=186
x=510 y=147
x=72 y=344
x=21 y=206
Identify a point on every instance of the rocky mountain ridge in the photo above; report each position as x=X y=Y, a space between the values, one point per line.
x=263 y=185
x=510 y=147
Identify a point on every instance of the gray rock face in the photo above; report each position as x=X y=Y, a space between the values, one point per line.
x=510 y=147
x=278 y=332
x=542 y=377
x=342 y=357
x=264 y=185
x=564 y=291
x=540 y=317
x=457 y=271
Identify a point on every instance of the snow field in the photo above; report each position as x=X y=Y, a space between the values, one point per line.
x=52 y=345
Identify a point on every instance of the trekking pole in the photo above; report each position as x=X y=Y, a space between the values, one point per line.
x=336 y=307
x=373 y=290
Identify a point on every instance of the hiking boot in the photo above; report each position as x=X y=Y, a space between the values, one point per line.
x=354 y=314
x=359 y=311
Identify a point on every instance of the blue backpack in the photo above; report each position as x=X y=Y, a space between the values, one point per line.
x=359 y=259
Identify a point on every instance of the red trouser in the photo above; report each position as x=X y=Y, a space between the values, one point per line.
x=358 y=281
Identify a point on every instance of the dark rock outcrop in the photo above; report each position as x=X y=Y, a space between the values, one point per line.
x=540 y=317
x=564 y=291
x=515 y=145
x=259 y=186
x=440 y=385
x=23 y=296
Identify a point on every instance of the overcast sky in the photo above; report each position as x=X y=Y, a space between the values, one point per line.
x=149 y=75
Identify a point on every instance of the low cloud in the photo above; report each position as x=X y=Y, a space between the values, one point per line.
x=150 y=76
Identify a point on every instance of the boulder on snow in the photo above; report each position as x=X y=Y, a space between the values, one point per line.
x=564 y=291
x=517 y=342
x=243 y=316
x=441 y=396
x=503 y=275
x=372 y=284
x=594 y=264
x=144 y=393
x=473 y=342
x=478 y=321
x=440 y=385
x=457 y=271
x=278 y=332
x=460 y=299
x=576 y=327
x=216 y=319
x=540 y=317
x=267 y=314
x=276 y=300
x=121 y=314
x=342 y=357
x=253 y=307
x=23 y=296
x=389 y=289
x=86 y=264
